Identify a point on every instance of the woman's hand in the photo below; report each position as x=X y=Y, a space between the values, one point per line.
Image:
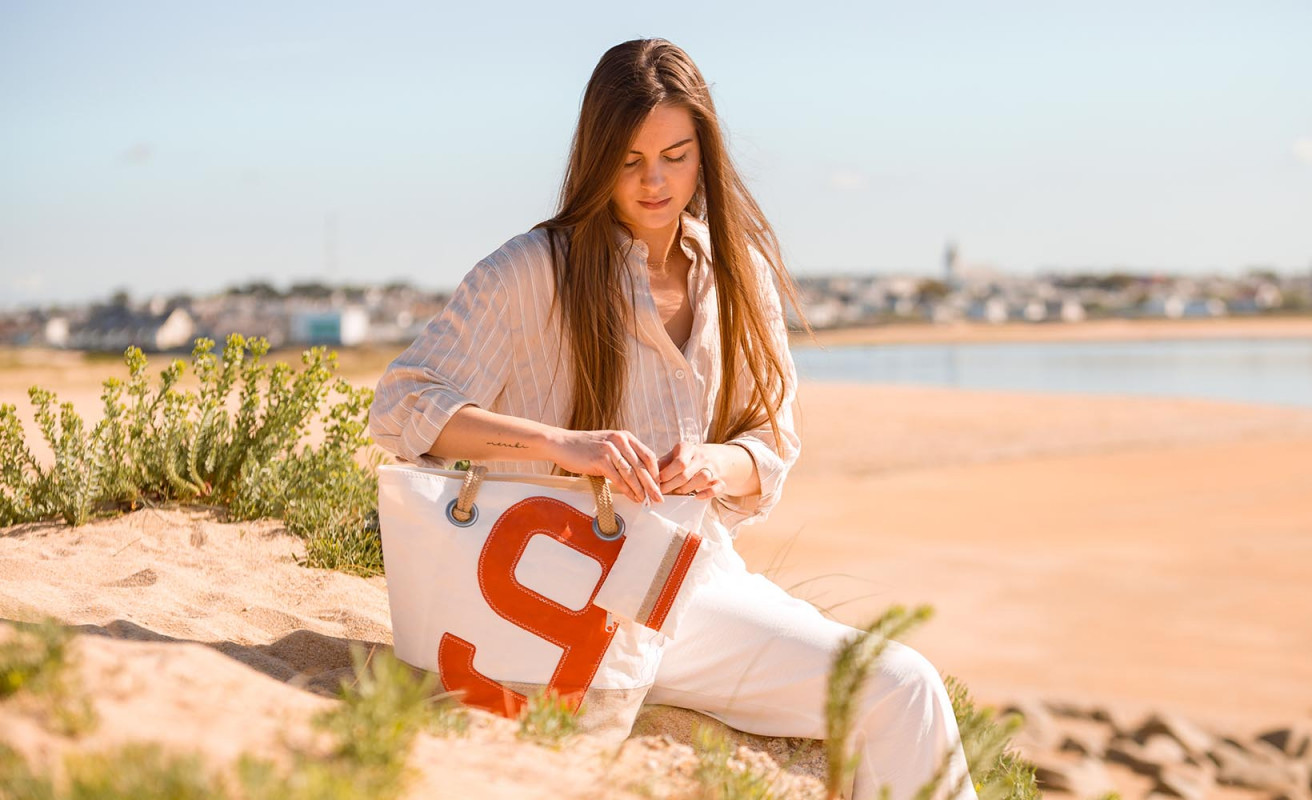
x=617 y=455
x=693 y=469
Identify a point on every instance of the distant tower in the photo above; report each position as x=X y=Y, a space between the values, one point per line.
x=950 y=276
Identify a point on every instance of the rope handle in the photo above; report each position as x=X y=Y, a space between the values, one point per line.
x=606 y=520
x=463 y=511
x=605 y=507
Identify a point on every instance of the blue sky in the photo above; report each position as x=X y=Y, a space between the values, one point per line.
x=166 y=146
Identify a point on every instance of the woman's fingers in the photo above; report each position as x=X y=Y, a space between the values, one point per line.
x=636 y=470
x=627 y=463
x=628 y=479
x=703 y=483
x=652 y=470
x=674 y=471
x=686 y=470
x=618 y=474
x=713 y=489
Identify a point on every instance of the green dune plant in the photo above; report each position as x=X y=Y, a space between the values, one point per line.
x=719 y=777
x=238 y=440
x=383 y=709
x=36 y=664
x=133 y=771
x=547 y=719
x=851 y=668
x=998 y=773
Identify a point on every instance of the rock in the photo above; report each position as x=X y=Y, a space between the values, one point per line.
x=1266 y=752
x=1123 y=723
x=1040 y=731
x=1133 y=755
x=1063 y=708
x=1194 y=739
x=1294 y=740
x=1163 y=749
x=1239 y=767
x=1085 y=742
x=1192 y=782
x=1087 y=777
x=1118 y=721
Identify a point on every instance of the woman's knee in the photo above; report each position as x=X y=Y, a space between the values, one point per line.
x=902 y=672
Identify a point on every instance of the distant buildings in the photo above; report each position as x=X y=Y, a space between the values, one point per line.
x=854 y=300
x=347 y=326
x=113 y=328
x=312 y=314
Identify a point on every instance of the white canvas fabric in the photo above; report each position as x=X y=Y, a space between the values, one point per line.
x=637 y=588
x=510 y=596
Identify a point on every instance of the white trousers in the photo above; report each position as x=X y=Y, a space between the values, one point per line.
x=756 y=658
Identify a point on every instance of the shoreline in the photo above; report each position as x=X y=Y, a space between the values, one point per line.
x=365 y=357
x=1100 y=330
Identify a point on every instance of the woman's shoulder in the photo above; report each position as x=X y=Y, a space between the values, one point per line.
x=522 y=265
x=529 y=251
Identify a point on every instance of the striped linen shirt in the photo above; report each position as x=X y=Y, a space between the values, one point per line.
x=496 y=345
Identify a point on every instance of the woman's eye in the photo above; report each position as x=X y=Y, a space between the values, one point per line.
x=678 y=160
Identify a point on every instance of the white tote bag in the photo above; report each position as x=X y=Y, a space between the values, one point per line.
x=526 y=584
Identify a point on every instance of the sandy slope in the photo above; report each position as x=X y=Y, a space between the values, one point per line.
x=207 y=636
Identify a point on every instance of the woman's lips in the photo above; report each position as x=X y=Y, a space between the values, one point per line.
x=654 y=205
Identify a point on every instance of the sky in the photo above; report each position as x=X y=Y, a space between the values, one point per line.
x=164 y=147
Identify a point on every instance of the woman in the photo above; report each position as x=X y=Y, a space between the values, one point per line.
x=638 y=335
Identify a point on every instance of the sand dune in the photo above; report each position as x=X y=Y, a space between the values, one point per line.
x=207 y=637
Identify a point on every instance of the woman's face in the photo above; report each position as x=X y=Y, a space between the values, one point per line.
x=659 y=175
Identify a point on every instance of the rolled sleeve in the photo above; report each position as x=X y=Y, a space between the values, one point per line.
x=774 y=456
x=463 y=357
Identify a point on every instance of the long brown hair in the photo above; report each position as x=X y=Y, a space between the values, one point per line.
x=630 y=80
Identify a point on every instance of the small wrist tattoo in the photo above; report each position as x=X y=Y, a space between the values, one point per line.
x=516 y=445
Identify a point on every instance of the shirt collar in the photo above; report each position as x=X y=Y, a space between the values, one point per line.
x=693 y=234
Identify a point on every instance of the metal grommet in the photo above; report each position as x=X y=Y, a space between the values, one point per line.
x=473 y=514
x=619 y=525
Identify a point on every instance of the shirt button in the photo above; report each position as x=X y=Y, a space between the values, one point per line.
x=678 y=373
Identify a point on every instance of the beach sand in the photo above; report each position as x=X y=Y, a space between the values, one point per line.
x=1137 y=554
x=1136 y=551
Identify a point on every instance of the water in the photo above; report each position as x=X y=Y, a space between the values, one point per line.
x=1267 y=371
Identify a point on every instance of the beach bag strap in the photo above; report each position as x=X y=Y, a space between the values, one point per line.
x=606 y=524
x=462 y=512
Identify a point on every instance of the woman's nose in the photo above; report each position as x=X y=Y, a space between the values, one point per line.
x=653 y=175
